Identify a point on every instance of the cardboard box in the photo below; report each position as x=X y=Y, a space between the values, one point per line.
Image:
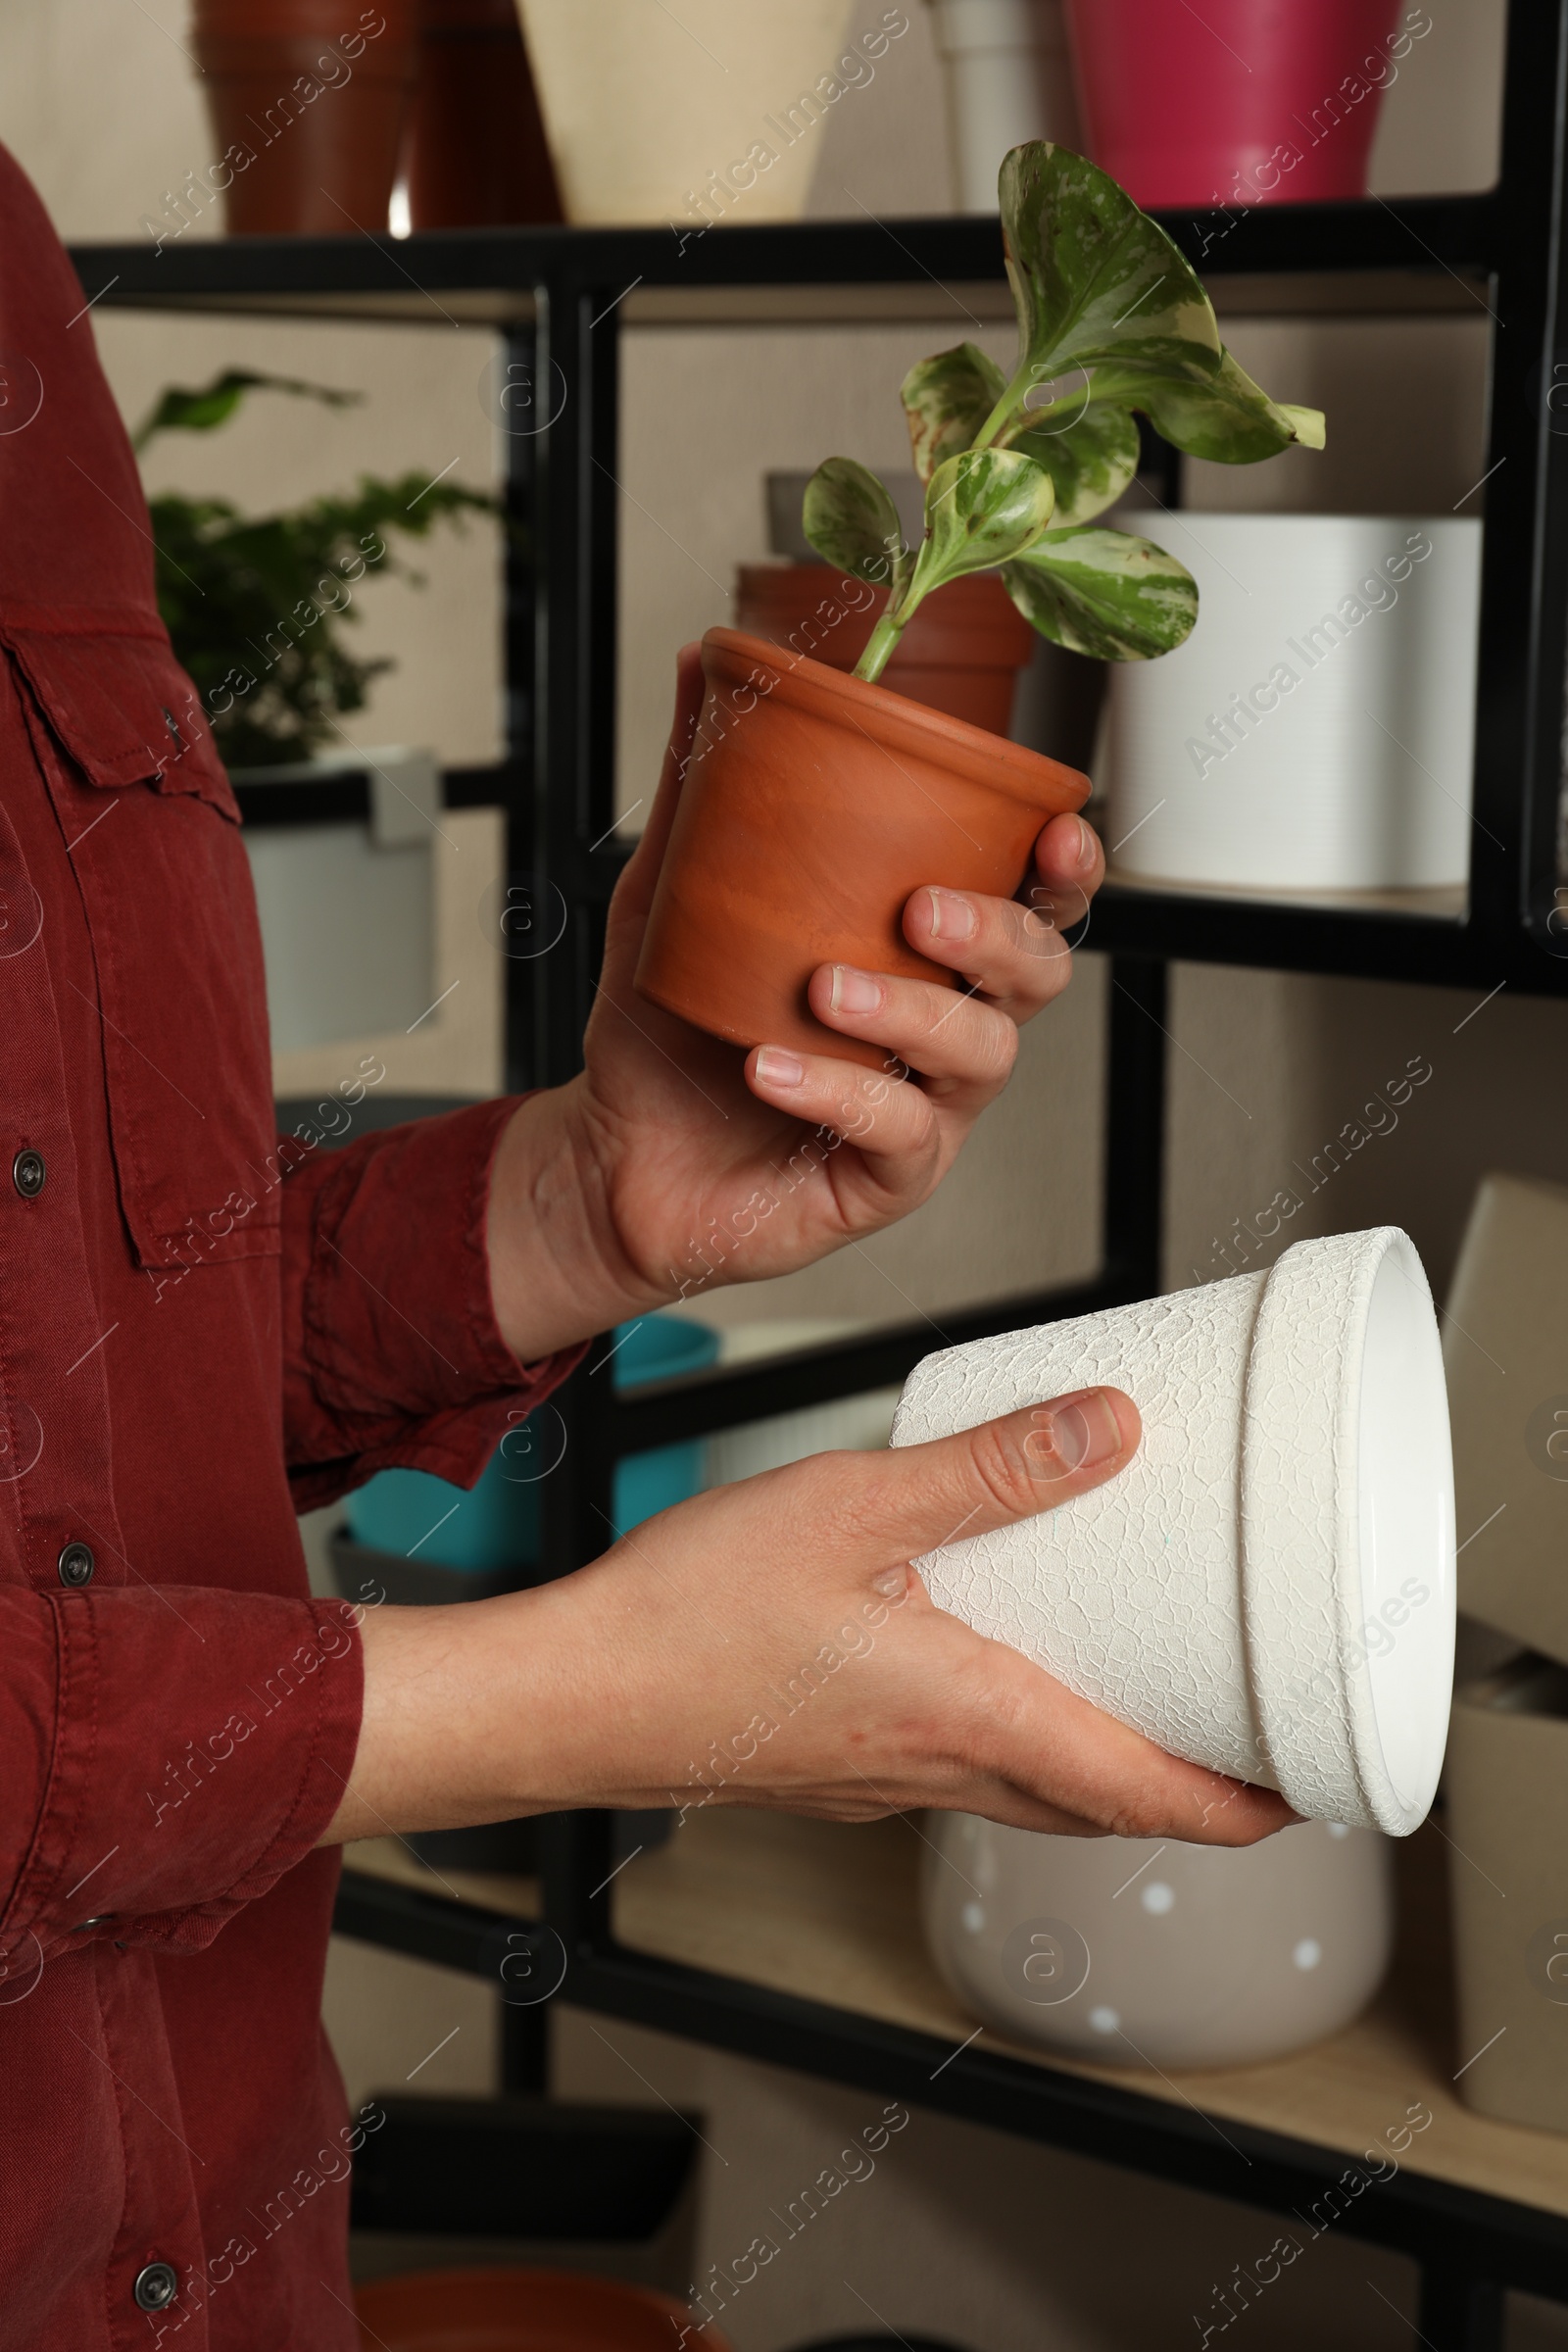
x=1505 y=1353
x=1508 y=1782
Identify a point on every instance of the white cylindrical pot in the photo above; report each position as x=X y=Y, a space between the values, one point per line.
x=1007 y=80
x=1268 y=1588
x=347 y=910
x=1316 y=730
x=1130 y=1952
x=692 y=116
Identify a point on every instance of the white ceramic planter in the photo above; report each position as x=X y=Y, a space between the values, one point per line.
x=855 y=1424
x=1008 y=78
x=1268 y=1589
x=1315 y=731
x=1135 y=1953
x=347 y=910
x=694 y=114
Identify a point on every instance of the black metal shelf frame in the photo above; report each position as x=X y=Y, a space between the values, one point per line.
x=560 y=299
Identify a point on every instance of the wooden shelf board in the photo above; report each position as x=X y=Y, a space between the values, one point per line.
x=829 y=1913
x=1317 y=294
x=1447 y=904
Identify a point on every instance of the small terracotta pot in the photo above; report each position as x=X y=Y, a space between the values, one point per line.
x=519 y=2311
x=961 y=653
x=474 y=153
x=813 y=806
x=317 y=98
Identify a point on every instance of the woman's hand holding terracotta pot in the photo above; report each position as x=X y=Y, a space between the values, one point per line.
x=768 y=1643
x=670 y=1166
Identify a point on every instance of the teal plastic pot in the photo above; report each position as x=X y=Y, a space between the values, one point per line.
x=658 y=1348
x=496 y=1524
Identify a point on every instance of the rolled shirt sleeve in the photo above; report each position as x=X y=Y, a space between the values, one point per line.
x=152 y=1823
x=393 y=1357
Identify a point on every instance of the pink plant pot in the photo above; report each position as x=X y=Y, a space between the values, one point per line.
x=1253 y=101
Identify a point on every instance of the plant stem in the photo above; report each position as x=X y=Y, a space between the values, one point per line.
x=1013 y=397
x=883 y=638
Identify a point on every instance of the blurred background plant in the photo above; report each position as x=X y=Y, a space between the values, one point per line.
x=257 y=605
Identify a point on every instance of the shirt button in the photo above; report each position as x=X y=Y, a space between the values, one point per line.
x=27 y=1174
x=156 y=2286
x=76 y=1564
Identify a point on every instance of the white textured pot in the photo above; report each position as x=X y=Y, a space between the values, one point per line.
x=1268 y=1589
x=1008 y=78
x=1315 y=731
x=1136 y=1953
x=690 y=114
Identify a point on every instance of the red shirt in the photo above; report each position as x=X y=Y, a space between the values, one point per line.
x=195 y=1341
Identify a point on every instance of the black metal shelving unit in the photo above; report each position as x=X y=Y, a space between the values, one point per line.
x=561 y=300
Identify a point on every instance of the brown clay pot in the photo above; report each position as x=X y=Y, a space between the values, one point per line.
x=961 y=653
x=519 y=2311
x=474 y=153
x=315 y=92
x=813 y=804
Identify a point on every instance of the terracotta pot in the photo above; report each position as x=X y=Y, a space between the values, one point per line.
x=474 y=153
x=519 y=2311
x=813 y=806
x=315 y=95
x=961 y=653
x=1255 y=102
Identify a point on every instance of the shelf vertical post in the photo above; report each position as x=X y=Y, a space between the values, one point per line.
x=1524 y=559
x=1459 y=2311
x=578 y=386
x=518 y=376
x=525 y=2049
x=1135 y=1126
x=579 y=377
x=577 y=368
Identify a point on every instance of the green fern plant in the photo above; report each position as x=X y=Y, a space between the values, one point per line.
x=257 y=606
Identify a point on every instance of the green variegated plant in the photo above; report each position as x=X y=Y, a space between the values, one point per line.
x=1112 y=322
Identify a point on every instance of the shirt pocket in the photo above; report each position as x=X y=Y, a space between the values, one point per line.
x=152 y=830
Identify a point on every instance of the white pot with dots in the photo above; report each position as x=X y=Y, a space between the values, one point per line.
x=1137 y=1952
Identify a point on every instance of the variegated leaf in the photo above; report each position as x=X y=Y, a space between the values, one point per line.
x=1104 y=593
x=1095 y=279
x=981 y=508
x=947 y=399
x=850 y=519
x=1101 y=288
x=1091 y=455
x=1227 y=417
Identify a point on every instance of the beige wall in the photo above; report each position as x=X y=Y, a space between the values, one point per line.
x=1001 y=2246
